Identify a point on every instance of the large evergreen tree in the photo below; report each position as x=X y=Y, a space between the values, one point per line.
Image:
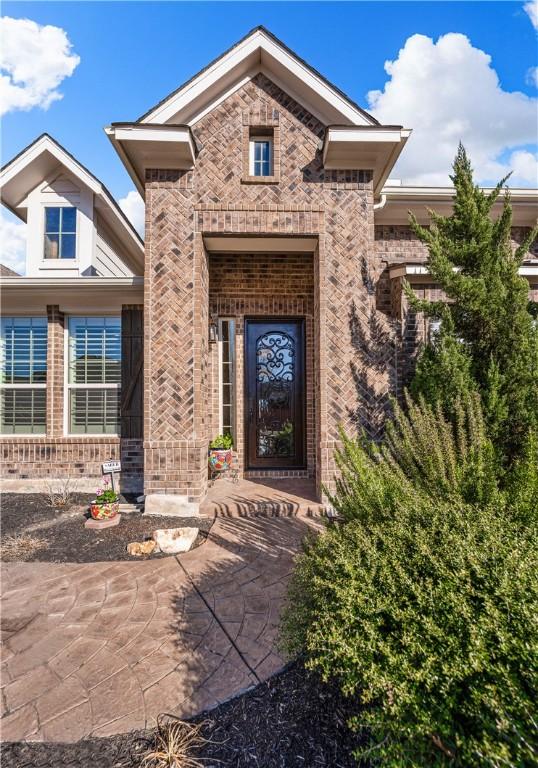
x=488 y=340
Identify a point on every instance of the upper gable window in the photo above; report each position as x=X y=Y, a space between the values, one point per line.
x=60 y=232
x=261 y=156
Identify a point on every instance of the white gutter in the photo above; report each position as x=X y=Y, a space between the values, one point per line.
x=394 y=193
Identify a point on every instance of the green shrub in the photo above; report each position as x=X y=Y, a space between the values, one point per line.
x=423 y=455
x=522 y=483
x=488 y=341
x=423 y=604
x=429 y=620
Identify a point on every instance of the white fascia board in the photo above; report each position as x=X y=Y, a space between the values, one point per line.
x=124 y=139
x=249 y=56
x=402 y=270
x=444 y=193
x=79 y=283
x=214 y=103
x=311 y=80
x=45 y=144
x=178 y=101
x=119 y=224
x=386 y=142
x=139 y=184
x=92 y=295
x=413 y=270
x=356 y=135
x=405 y=133
x=158 y=134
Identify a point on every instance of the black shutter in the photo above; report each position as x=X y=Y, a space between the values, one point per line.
x=132 y=365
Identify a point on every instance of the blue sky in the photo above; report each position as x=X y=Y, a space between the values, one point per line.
x=134 y=53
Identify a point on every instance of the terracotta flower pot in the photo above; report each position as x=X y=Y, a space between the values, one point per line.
x=220 y=459
x=104 y=511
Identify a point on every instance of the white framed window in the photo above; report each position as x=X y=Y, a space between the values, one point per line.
x=94 y=375
x=226 y=347
x=23 y=376
x=60 y=240
x=261 y=155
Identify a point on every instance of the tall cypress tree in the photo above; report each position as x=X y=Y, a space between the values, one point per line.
x=488 y=339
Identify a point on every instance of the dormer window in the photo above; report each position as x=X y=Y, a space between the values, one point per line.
x=60 y=232
x=261 y=156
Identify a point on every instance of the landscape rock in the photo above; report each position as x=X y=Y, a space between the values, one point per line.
x=174 y=540
x=139 y=548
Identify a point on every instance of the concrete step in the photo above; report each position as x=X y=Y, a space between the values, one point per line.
x=261 y=508
x=126 y=509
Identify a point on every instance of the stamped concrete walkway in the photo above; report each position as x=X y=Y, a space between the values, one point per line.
x=103 y=648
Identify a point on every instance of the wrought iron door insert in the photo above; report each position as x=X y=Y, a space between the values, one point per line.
x=275 y=393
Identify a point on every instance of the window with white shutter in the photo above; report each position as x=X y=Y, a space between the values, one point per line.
x=23 y=375
x=94 y=375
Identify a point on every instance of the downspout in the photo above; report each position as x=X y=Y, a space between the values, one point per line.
x=381 y=204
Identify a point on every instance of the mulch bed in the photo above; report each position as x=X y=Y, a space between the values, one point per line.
x=20 y=510
x=292 y=720
x=62 y=538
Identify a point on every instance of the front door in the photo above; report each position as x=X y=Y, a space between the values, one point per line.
x=275 y=389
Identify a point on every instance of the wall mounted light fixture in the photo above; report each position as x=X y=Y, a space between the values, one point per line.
x=213 y=332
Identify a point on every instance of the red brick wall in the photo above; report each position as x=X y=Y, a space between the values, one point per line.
x=54 y=455
x=336 y=207
x=263 y=284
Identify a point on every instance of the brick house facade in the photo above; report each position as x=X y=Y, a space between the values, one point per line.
x=318 y=242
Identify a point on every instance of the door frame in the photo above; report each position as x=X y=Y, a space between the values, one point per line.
x=275 y=465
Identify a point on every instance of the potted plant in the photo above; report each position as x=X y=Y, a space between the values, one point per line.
x=106 y=504
x=220 y=453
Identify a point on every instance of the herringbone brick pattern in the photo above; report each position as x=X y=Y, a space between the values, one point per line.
x=252 y=285
x=337 y=207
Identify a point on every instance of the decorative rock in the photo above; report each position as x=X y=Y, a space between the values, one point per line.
x=173 y=540
x=98 y=525
x=139 y=548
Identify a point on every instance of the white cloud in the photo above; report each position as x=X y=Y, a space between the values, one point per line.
x=447 y=91
x=133 y=207
x=531 y=9
x=532 y=76
x=12 y=242
x=524 y=166
x=34 y=59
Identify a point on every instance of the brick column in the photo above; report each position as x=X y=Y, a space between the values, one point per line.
x=352 y=388
x=175 y=348
x=55 y=371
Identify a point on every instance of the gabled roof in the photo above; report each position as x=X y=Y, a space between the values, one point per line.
x=7 y=271
x=43 y=158
x=258 y=51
